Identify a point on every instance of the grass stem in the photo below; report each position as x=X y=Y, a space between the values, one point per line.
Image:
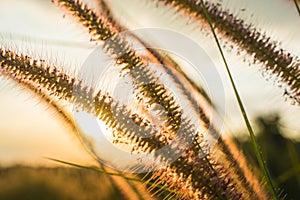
x=258 y=153
x=159 y=186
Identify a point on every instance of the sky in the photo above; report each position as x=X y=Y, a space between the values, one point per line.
x=30 y=131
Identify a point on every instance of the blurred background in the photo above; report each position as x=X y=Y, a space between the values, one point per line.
x=30 y=131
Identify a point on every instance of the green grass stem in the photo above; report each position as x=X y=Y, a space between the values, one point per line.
x=110 y=173
x=257 y=150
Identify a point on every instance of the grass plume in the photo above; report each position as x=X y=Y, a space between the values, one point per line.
x=262 y=48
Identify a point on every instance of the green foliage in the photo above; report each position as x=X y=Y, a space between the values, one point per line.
x=282 y=154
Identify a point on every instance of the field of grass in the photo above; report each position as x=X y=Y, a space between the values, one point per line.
x=32 y=183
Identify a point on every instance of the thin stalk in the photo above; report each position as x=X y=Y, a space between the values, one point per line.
x=109 y=173
x=258 y=153
x=297 y=6
x=95 y=169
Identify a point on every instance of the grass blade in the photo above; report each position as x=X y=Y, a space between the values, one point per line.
x=159 y=186
x=94 y=169
x=257 y=150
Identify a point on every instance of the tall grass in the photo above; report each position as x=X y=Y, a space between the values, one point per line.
x=189 y=167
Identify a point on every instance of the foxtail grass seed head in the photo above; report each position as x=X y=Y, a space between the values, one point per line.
x=141 y=113
x=284 y=65
x=166 y=103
